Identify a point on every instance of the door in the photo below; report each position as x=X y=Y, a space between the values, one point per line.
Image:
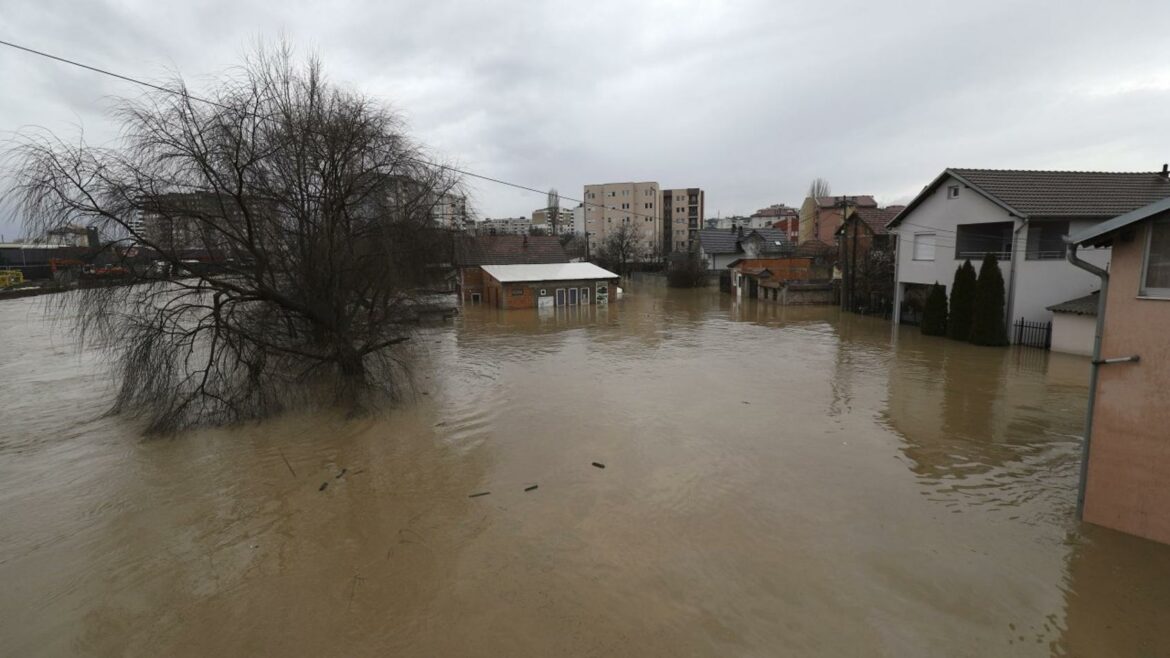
x=584 y=295
x=560 y=296
x=572 y=296
x=475 y=298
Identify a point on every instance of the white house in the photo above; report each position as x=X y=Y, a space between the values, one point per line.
x=1020 y=216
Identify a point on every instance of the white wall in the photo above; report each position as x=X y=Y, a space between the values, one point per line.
x=1073 y=334
x=1039 y=283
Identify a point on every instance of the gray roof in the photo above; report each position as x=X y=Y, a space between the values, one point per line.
x=1055 y=194
x=547 y=272
x=1086 y=305
x=726 y=241
x=1096 y=234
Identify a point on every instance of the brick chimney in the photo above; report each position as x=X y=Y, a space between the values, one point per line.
x=1165 y=170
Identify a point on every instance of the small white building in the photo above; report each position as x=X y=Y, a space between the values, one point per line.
x=1020 y=216
x=1074 y=325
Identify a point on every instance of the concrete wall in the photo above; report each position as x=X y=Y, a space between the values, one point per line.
x=605 y=211
x=1129 y=462
x=1039 y=283
x=1073 y=334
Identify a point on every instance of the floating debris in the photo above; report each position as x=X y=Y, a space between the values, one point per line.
x=477 y=495
x=599 y=464
x=530 y=488
x=343 y=472
x=323 y=485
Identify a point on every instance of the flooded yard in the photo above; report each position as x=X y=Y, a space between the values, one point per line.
x=777 y=482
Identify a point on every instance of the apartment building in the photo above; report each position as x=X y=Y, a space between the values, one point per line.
x=504 y=226
x=611 y=205
x=564 y=223
x=450 y=211
x=682 y=219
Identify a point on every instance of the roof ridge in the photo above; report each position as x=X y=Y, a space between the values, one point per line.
x=1055 y=171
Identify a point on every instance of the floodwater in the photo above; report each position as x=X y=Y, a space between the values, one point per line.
x=777 y=482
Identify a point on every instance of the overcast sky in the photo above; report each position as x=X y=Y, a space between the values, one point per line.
x=748 y=100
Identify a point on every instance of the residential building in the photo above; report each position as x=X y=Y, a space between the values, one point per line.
x=1127 y=465
x=820 y=217
x=739 y=221
x=543 y=286
x=450 y=211
x=720 y=247
x=865 y=258
x=611 y=205
x=471 y=253
x=757 y=278
x=504 y=226
x=778 y=216
x=682 y=219
x=579 y=219
x=564 y=223
x=1022 y=217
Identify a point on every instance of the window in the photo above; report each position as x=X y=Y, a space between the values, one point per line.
x=924 y=246
x=952 y=191
x=625 y=193
x=974 y=241
x=625 y=206
x=612 y=193
x=1046 y=240
x=1156 y=265
x=649 y=205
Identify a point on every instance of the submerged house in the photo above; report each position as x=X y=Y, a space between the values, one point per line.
x=1126 y=465
x=471 y=253
x=1022 y=217
x=720 y=247
x=554 y=284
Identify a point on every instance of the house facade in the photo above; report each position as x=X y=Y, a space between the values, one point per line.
x=820 y=217
x=1022 y=217
x=1127 y=444
x=718 y=248
x=472 y=253
x=547 y=286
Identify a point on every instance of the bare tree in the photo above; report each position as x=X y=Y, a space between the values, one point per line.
x=276 y=238
x=553 y=211
x=818 y=188
x=623 y=247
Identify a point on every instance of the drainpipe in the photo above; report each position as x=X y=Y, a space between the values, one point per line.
x=1009 y=317
x=1095 y=367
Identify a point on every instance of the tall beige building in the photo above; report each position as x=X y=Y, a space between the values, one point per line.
x=682 y=215
x=609 y=206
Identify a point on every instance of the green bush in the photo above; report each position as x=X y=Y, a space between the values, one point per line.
x=987 y=325
x=962 y=302
x=934 y=314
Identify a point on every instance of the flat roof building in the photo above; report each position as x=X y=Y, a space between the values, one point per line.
x=547 y=285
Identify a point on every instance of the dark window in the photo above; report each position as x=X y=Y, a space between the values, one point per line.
x=1046 y=240
x=952 y=192
x=974 y=241
x=1156 y=267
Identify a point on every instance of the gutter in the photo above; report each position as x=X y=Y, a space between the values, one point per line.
x=1095 y=367
x=1009 y=315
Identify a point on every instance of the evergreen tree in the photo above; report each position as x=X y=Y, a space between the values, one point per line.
x=987 y=325
x=934 y=315
x=962 y=302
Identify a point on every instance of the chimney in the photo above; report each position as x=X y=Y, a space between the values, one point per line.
x=741 y=231
x=1165 y=170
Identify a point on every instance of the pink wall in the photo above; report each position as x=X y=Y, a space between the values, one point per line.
x=1128 y=485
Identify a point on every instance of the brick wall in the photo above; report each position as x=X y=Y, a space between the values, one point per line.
x=524 y=294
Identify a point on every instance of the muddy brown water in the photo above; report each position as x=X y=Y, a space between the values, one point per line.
x=777 y=482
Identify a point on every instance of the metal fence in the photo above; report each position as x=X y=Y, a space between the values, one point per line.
x=1033 y=334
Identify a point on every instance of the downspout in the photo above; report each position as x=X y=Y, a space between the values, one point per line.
x=1094 y=368
x=1009 y=317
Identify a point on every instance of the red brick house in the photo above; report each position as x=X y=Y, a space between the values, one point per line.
x=471 y=253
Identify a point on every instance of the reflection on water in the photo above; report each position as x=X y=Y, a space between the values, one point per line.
x=778 y=481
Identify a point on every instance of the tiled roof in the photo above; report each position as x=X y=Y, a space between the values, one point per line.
x=1069 y=193
x=1056 y=194
x=726 y=241
x=877 y=218
x=509 y=250
x=812 y=249
x=859 y=200
x=1086 y=305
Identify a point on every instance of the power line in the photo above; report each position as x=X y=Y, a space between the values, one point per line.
x=185 y=94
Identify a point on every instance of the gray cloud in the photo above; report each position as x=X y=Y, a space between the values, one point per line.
x=749 y=100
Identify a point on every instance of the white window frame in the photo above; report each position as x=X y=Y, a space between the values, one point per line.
x=915 y=243
x=1143 y=290
x=952 y=191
